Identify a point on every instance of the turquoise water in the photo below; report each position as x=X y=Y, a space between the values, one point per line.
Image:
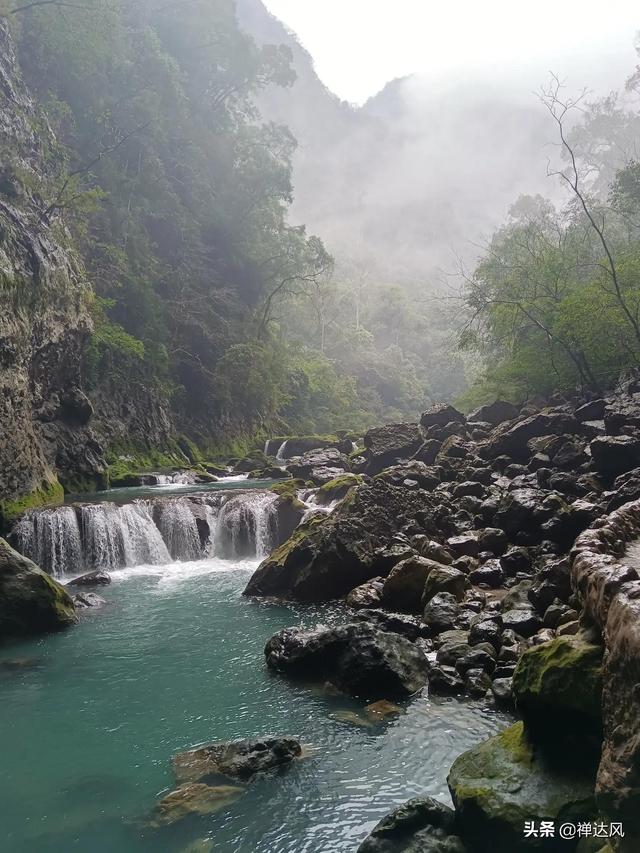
x=90 y=719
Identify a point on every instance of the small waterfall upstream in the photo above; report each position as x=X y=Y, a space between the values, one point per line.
x=71 y=540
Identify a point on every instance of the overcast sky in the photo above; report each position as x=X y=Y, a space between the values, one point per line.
x=359 y=45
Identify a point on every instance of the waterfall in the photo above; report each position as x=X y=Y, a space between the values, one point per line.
x=281 y=451
x=179 y=530
x=211 y=518
x=51 y=538
x=247 y=525
x=117 y=536
x=75 y=539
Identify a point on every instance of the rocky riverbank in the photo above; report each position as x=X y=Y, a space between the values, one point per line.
x=455 y=536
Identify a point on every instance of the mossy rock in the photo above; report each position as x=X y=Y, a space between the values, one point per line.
x=505 y=781
x=560 y=683
x=332 y=553
x=50 y=493
x=288 y=487
x=31 y=602
x=337 y=488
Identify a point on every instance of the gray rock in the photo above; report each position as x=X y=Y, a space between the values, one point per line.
x=423 y=825
x=357 y=658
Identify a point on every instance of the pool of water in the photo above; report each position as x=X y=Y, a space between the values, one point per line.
x=90 y=718
x=126 y=494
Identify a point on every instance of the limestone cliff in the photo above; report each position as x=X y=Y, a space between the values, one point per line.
x=45 y=437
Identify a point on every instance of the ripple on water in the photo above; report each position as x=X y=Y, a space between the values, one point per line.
x=175 y=659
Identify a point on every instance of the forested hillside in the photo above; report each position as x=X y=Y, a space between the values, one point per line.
x=175 y=194
x=250 y=256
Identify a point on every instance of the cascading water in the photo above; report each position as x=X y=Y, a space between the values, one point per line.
x=179 y=530
x=70 y=540
x=51 y=538
x=117 y=536
x=247 y=525
x=280 y=455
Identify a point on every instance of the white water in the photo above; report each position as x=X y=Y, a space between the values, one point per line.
x=247 y=524
x=51 y=538
x=75 y=539
x=179 y=530
x=280 y=455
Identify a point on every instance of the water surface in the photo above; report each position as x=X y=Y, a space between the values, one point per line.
x=90 y=719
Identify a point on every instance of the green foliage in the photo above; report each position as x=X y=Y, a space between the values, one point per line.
x=49 y=493
x=548 y=313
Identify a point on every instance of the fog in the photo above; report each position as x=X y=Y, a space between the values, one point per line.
x=419 y=176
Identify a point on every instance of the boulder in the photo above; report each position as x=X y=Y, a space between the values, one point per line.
x=504 y=782
x=441 y=613
x=336 y=489
x=592 y=411
x=386 y=445
x=31 y=602
x=240 y=760
x=321 y=466
x=613 y=455
x=328 y=556
x=426 y=476
x=404 y=587
x=495 y=413
x=440 y=415
x=368 y=594
x=490 y=574
x=523 y=622
x=560 y=683
x=97 y=578
x=398 y=623
x=444 y=579
x=423 y=825
x=357 y=658
x=511 y=439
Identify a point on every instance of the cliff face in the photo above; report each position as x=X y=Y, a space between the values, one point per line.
x=45 y=437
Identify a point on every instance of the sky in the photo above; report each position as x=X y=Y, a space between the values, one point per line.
x=359 y=45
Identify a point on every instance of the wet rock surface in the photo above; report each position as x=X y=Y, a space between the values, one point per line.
x=238 y=760
x=478 y=533
x=357 y=658
x=31 y=602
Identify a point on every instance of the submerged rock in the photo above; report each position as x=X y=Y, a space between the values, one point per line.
x=504 y=781
x=357 y=658
x=97 y=578
x=194 y=799
x=422 y=825
x=31 y=602
x=85 y=600
x=240 y=760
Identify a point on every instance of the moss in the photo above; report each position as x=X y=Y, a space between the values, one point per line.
x=50 y=493
x=129 y=462
x=279 y=556
x=338 y=487
x=504 y=781
x=288 y=487
x=563 y=676
x=84 y=484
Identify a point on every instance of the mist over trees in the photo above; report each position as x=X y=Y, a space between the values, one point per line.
x=555 y=301
x=265 y=256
